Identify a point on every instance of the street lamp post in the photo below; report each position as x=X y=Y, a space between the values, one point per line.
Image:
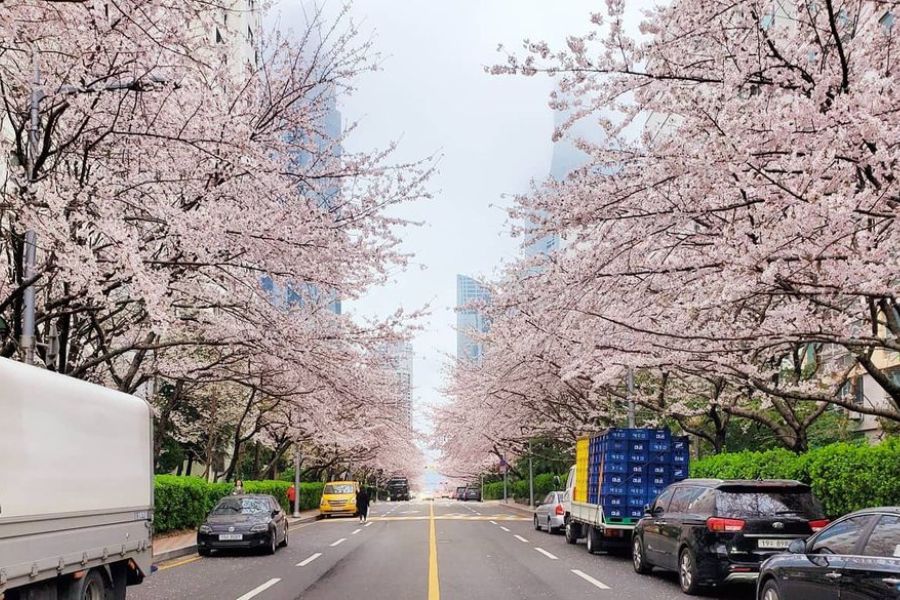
x=296 y=480
x=631 y=423
x=30 y=250
x=530 y=476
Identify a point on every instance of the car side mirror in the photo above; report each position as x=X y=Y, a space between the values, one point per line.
x=797 y=547
x=275 y=512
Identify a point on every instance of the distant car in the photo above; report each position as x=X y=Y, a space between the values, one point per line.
x=473 y=494
x=251 y=521
x=339 y=499
x=550 y=514
x=427 y=497
x=460 y=493
x=712 y=532
x=855 y=557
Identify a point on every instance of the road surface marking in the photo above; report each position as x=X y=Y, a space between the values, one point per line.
x=591 y=580
x=309 y=560
x=356 y=531
x=434 y=584
x=504 y=528
x=260 y=589
x=179 y=563
x=493 y=522
x=521 y=539
x=367 y=524
x=547 y=554
x=339 y=542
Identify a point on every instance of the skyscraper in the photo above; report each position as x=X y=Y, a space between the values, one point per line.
x=470 y=295
x=400 y=358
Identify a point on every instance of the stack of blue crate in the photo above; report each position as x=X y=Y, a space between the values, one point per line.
x=628 y=468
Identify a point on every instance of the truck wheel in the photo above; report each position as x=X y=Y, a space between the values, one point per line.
x=594 y=543
x=573 y=532
x=90 y=587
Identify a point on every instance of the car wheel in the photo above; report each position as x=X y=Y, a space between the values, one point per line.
x=537 y=525
x=638 y=558
x=284 y=542
x=572 y=532
x=770 y=591
x=272 y=546
x=687 y=572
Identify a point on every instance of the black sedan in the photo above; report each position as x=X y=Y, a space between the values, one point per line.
x=252 y=521
x=856 y=558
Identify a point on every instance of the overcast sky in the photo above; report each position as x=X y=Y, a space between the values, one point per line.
x=492 y=134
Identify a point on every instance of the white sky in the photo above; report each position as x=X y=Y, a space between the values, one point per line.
x=492 y=133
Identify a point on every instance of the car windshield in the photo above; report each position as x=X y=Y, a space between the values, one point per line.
x=339 y=488
x=241 y=506
x=764 y=503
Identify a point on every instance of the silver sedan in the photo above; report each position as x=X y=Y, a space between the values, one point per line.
x=550 y=514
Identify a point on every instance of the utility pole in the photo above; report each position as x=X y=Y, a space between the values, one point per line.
x=530 y=476
x=30 y=250
x=296 y=480
x=631 y=398
x=505 y=471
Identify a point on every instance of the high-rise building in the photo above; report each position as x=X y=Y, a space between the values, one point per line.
x=400 y=358
x=471 y=296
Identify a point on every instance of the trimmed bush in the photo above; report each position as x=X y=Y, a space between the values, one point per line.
x=844 y=476
x=184 y=502
x=518 y=489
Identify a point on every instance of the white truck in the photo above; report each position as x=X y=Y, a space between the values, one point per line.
x=76 y=487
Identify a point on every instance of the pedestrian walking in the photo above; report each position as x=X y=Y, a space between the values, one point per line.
x=238 y=488
x=292 y=495
x=362 y=504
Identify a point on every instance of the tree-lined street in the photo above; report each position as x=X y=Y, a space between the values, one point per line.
x=484 y=550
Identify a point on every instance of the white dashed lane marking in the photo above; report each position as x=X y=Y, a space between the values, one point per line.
x=504 y=528
x=591 y=580
x=339 y=542
x=521 y=539
x=547 y=554
x=256 y=591
x=309 y=560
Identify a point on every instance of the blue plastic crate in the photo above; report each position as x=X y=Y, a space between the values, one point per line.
x=635 y=513
x=616 y=445
x=615 y=489
x=618 y=511
x=613 y=501
x=615 y=467
x=653 y=491
x=637 y=501
x=638 y=446
x=680 y=443
x=660 y=469
x=660 y=446
x=659 y=480
x=616 y=434
x=615 y=478
x=636 y=478
x=636 y=490
x=638 y=434
x=638 y=457
x=680 y=457
x=636 y=468
x=679 y=473
x=662 y=435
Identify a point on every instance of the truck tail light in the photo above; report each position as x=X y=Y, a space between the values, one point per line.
x=718 y=525
x=818 y=524
x=560 y=510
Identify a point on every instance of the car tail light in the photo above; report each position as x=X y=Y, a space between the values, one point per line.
x=724 y=525
x=818 y=524
x=560 y=510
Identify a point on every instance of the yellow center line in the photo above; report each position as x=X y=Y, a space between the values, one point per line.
x=434 y=586
x=172 y=565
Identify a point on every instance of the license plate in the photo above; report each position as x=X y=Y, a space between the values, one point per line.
x=230 y=537
x=781 y=544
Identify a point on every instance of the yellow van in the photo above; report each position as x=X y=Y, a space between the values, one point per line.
x=339 y=498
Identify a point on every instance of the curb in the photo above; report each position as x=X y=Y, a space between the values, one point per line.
x=192 y=548
x=515 y=506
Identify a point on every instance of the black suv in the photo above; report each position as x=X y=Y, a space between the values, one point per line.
x=712 y=531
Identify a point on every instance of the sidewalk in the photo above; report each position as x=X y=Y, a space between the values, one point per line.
x=178 y=544
x=512 y=504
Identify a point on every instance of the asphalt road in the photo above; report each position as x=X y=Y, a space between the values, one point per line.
x=416 y=551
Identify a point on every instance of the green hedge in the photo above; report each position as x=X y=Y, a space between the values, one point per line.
x=184 y=502
x=518 y=489
x=844 y=476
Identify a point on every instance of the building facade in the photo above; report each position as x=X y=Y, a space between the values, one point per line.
x=471 y=296
x=400 y=357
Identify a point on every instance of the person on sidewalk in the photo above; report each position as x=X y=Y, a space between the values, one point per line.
x=291 y=495
x=362 y=504
x=238 y=488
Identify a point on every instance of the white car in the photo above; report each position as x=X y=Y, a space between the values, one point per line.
x=550 y=514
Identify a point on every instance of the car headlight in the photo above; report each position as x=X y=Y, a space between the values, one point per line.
x=260 y=527
x=205 y=528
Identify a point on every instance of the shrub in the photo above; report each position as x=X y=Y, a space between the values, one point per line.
x=184 y=502
x=844 y=476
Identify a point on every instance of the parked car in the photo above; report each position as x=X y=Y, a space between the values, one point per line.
x=712 y=531
x=249 y=521
x=855 y=557
x=460 y=493
x=550 y=514
x=339 y=499
x=473 y=493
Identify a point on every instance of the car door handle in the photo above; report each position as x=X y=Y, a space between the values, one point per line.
x=891 y=580
x=833 y=575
